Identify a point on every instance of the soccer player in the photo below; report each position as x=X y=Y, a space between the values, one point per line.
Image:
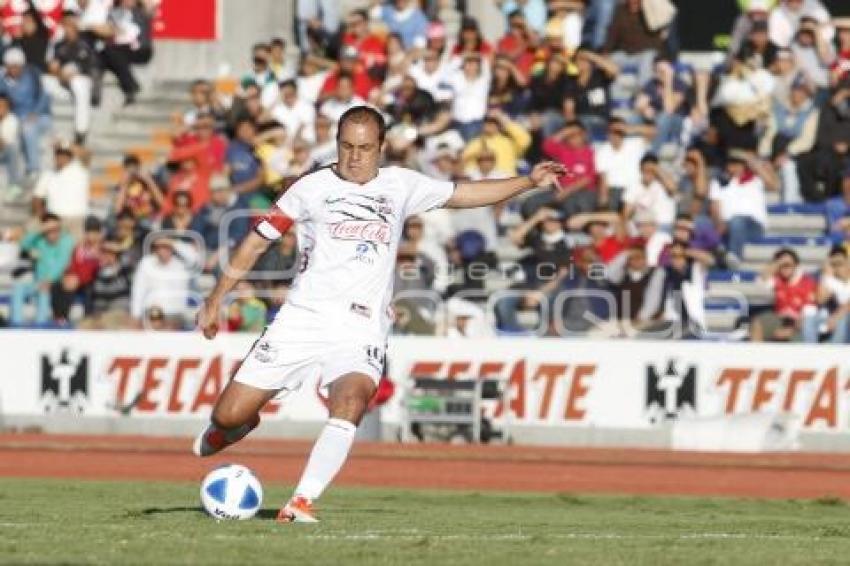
x=348 y=219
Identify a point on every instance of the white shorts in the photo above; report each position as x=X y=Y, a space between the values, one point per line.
x=284 y=365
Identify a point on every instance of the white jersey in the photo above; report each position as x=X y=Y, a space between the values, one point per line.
x=348 y=235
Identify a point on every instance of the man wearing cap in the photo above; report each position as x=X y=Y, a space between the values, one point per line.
x=30 y=103
x=50 y=247
x=65 y=190
x=791 y=131
x=739 y=200
x=349 y=65
x=163 y=278
x=813 y=52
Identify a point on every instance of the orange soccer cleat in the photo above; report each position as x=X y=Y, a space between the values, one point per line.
x=298 y=510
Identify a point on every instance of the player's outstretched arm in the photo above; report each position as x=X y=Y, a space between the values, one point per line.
x=247 y=254
x=469 y=194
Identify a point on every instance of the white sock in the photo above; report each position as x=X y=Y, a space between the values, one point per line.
x=329 y=454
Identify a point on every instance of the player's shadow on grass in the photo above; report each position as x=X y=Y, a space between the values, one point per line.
x=270 y=513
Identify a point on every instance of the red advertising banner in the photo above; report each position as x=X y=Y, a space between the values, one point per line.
x=188 y=21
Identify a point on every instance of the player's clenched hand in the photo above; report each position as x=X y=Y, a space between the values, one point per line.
x=207 y=319
x=547 y=173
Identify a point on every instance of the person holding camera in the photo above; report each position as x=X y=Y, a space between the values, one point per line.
x=138 y=192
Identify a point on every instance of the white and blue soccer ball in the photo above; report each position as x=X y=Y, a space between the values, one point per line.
x=231 y=491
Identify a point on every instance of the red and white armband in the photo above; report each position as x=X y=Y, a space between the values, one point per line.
x=273 y=224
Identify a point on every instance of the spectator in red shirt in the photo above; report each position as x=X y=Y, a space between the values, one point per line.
x=85 y=261
x=607 y=233
x=471 y=42
x=371 y=48
x=840 y=68
x=349 y=64
x=578 y=186
x=793 y=290
x=199 y=158
x=518 y=43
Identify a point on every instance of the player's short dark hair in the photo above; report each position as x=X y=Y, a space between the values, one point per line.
x=47 y=217
x=361 y=114
x=132 y=159
x=277 y=42
x=288 y=82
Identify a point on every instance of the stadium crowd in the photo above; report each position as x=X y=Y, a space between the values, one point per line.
x=669 y=164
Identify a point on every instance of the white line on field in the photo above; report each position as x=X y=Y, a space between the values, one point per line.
x=394 y=536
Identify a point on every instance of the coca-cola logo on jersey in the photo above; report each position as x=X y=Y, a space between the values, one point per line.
x=363 y=230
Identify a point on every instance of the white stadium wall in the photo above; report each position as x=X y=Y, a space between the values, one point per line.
x=689 y=395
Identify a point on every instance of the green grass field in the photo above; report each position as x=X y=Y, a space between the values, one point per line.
x=82 y=522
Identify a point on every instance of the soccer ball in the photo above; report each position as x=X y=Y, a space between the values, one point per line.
x=231 y=491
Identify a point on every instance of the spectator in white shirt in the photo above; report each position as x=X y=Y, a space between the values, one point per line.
x=295 y=113
x=323 y=151
x=784 y=20
x=618 y=160
x=343 y=99
x=310 y=80
x=429 y=73
x=654 y=239
x=65 y=190
x=10 y=152
x=738 y=200
x=163 y=278
x=470 y=85
x=282 y=67
x=832 y=318
x=654 y=192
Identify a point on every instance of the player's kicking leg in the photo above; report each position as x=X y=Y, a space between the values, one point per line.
x=348 y=399
x=236 y=413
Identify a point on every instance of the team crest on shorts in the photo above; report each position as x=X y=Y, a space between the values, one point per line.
x=264 y=352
